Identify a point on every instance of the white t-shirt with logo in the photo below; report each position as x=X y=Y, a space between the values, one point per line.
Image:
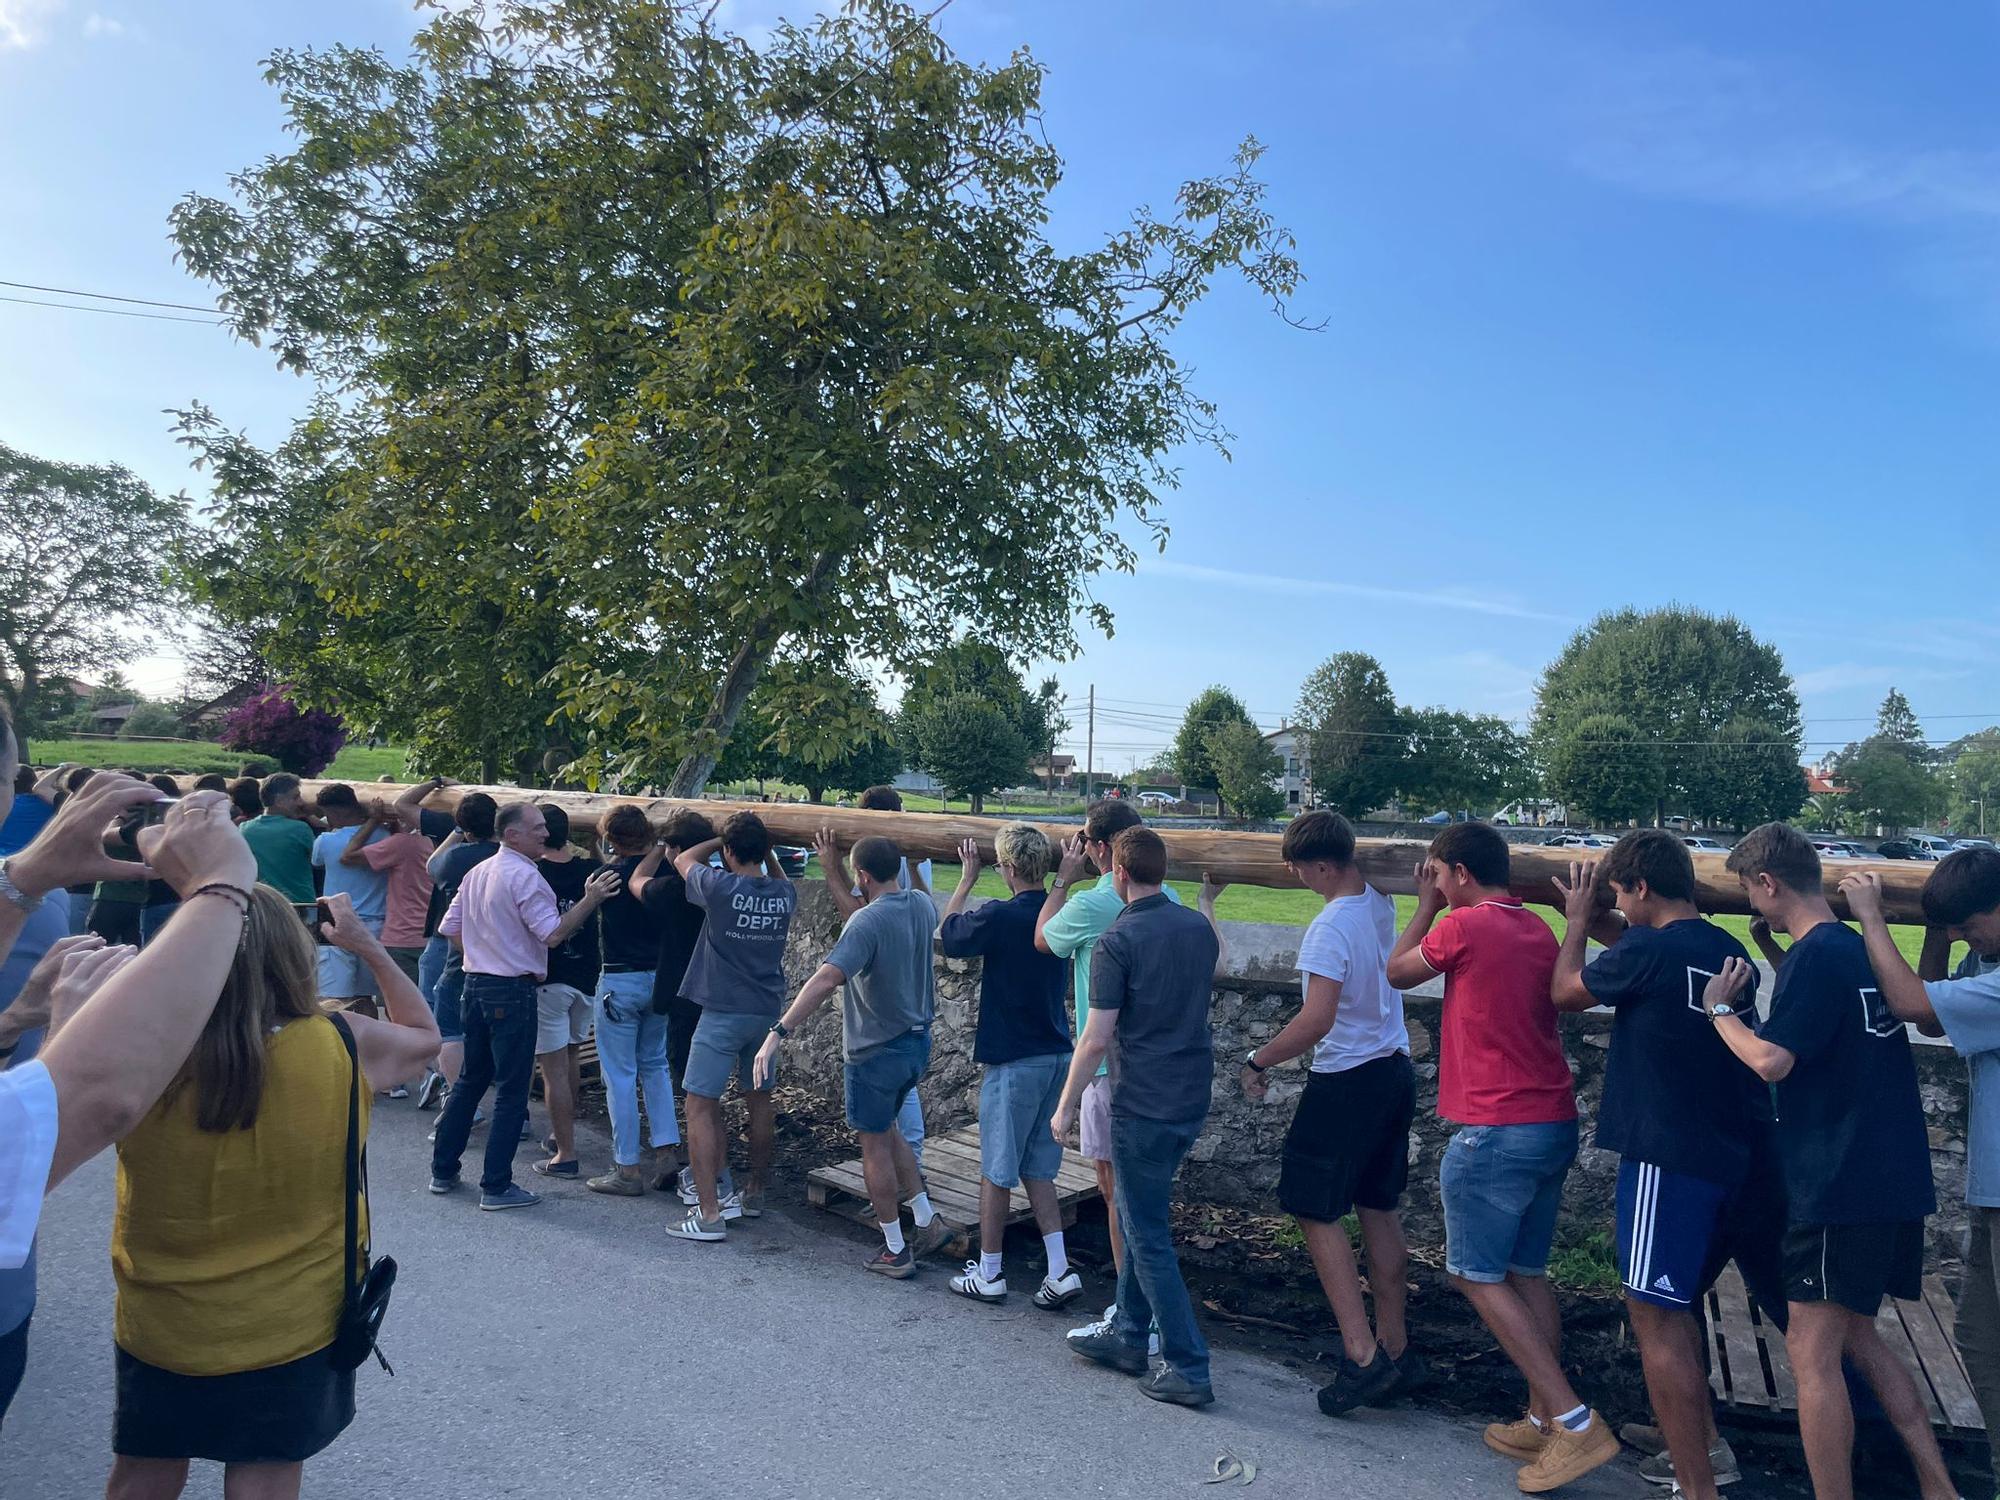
x=1349 y=943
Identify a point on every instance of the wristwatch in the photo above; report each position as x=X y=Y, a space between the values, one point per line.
x=781 y=1031
x=1723 y=1009
x=1059 y=884
x=1250 y=1061
x=12 y=892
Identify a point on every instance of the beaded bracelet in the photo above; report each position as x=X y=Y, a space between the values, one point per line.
x=222 y=888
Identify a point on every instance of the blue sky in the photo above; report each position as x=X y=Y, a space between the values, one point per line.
x=1627 y=303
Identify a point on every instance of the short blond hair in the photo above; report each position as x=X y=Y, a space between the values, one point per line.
x=1025 y=848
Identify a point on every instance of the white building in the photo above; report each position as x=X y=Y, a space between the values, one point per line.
x=1295 y=781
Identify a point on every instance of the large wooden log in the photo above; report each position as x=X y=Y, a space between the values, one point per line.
x=1239 y=857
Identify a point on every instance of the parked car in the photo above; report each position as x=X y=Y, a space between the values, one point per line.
x=1581 y=841
x=791 y=858
x=1158 y=799
x=1704 y=845
x=1973 y=844
x=1896 y=849
x=1436 y=819
x=1934 y=845
x=1679 y=822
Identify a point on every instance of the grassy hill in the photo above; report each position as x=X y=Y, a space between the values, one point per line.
x=199 y=757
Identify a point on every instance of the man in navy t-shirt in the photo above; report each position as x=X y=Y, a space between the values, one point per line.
x=1856 y=1156
x=1686 y=1118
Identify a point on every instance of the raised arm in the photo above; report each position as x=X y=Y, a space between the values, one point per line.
x=410 y=805
x=1074 y=863
x=435 y=864
x=1902 y=991
x=356 y=852
x=690 y=860
x=396 y=1048
x=839 y=884
x=1767 y=1060
x=968 y=876
x=1205 y=904
x=1580 y=910
x=643 y=872
x=1407 y=965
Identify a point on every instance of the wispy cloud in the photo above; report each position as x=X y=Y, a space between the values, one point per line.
x=24 y=23
x=96 y=25
x=1282 y=584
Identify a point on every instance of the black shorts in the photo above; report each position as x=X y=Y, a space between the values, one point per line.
x=1855 y=1265
x=279 y=1415
x=1349 y=1145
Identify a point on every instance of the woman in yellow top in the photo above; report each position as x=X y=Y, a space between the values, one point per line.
x=231 y=1220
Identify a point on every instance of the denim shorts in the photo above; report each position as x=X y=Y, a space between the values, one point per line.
x=1502 y=1186
x=724 y=1042
x=881 y=1081
x=1016 y=1100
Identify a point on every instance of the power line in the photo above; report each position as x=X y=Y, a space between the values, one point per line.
x=116 y=312
x=70 y=291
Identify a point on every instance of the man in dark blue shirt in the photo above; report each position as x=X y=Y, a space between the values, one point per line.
x=1150 y=980
x=1856 y=1156
x=1686 y=1118
x=1023 y=1041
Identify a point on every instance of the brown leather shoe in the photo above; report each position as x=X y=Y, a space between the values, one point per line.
x=1520 y=1439
x=1568 y=1455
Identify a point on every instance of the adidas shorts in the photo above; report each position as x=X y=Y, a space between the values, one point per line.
x=1667 y=1223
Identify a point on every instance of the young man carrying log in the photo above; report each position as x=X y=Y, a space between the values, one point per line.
x=1503 y=1079
x=1856 y=1157
x=1150 y=982
x=1024 y=1045
x=1348 y=1147
x=882 y=965
x=737 y=976
x=1686 y=1119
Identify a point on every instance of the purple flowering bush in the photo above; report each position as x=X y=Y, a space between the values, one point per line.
x=269 y=723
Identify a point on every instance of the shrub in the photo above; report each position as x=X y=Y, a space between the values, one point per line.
x=269 y=723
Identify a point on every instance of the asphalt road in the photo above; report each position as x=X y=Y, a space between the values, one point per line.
x=572 y=1350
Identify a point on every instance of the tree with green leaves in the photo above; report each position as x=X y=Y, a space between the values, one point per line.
x=1753 y=777
x=661 y=353
x=1246 y=769
x=1212 y=708
x=1355 y=738
x=1460 y=762
x=1896 y=723
x=1672 y=680
x=970 y=744
x=1890 y=777
x=83 y=551
x=1975 y=782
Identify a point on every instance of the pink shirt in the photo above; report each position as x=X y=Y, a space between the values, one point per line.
x=503 y=915
x=403 y=857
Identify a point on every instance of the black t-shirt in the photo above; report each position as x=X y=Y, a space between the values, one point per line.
x=631 y=931
x=451 y=873
x=1675 y=1096
x=1023 y=992
x=435 y=826
x=680 y=923
x=1155 y=966
x=575 y=962
x=1850 y=1122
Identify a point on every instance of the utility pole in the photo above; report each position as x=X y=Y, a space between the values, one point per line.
x=1090 y=746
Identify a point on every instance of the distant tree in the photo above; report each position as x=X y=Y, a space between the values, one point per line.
x=1975 y=785
x=1896 y=723
x=1753 y=777
x=1055 y=724
x=1607 y=769
x=1245 y=768
x=151 y=721
x=975 y=671
x=1462 y=762
x=269 y=723
x=969 y=744
x=1888 y=788
x=1356 y=740
x=1671 y=680
x=1212 y=708
x=83 y=551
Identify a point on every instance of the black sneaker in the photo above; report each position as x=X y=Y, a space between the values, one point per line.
x=1358 y=1385
x=1108 y=1349
x=1413 y=1373
x=1169 y=1385
x=897 y=1265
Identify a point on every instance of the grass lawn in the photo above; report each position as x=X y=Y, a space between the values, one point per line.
x=186 y=757
x=363 y=763
x=1294 y=908
x=996 y=807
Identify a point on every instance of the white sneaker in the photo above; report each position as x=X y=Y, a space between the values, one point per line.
x=732 y=1207
x=1098 y=1329
x=1058 y=1291
x=978 y=1288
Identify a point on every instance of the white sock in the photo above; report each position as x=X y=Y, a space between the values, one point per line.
x=1576 y=1420
x=921 y=1210
x=892 y=1236
x=1540 y=1425
x=989 y=1267
x=1052 y=1245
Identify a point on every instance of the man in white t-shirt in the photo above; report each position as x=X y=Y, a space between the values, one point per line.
x=1349 y=1143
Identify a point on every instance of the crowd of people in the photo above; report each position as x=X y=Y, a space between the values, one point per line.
x=451 y=958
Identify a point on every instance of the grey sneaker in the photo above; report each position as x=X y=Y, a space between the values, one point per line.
x=1659 y=1469
x=445 y=1184
x=617 y=1184
x=1169 y=1385
x=514 y=1196
x=928 y=1239
x=430 y=1091
x=695 y=1227
x=897 y=1265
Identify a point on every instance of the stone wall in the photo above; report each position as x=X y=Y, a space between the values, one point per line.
x=1236 y=1160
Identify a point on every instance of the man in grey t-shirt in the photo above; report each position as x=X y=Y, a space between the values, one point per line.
x=883 y=965
x=737 y=977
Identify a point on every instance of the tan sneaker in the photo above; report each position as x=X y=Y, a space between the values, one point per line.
x=1568 y=1456
x=1520 y=1439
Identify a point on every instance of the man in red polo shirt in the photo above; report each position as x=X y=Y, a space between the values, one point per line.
x=1503 y=1079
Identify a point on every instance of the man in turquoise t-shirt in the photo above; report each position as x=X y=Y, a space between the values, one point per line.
x=282 y=840
x=1069 y=928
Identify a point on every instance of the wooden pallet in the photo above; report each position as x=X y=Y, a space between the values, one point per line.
x=951 y=1172
x=1748 y=1369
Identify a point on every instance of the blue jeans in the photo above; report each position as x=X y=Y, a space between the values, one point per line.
x=1145 y=1154
x=499 y=1054
x=441 y=976
x=632 y=1053
x=79 y=912
x=153 y=918
x=1502 y=1188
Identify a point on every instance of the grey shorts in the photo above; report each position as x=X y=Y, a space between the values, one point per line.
x=1016 y=1101
x=724 y=1042
x=1093 y=1121
x=562 y=1017
x=342 y=975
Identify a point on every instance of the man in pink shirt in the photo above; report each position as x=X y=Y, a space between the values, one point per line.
x=504 y=920
x=404 y=857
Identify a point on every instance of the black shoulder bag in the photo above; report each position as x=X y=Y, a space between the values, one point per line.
x=364 y=1303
